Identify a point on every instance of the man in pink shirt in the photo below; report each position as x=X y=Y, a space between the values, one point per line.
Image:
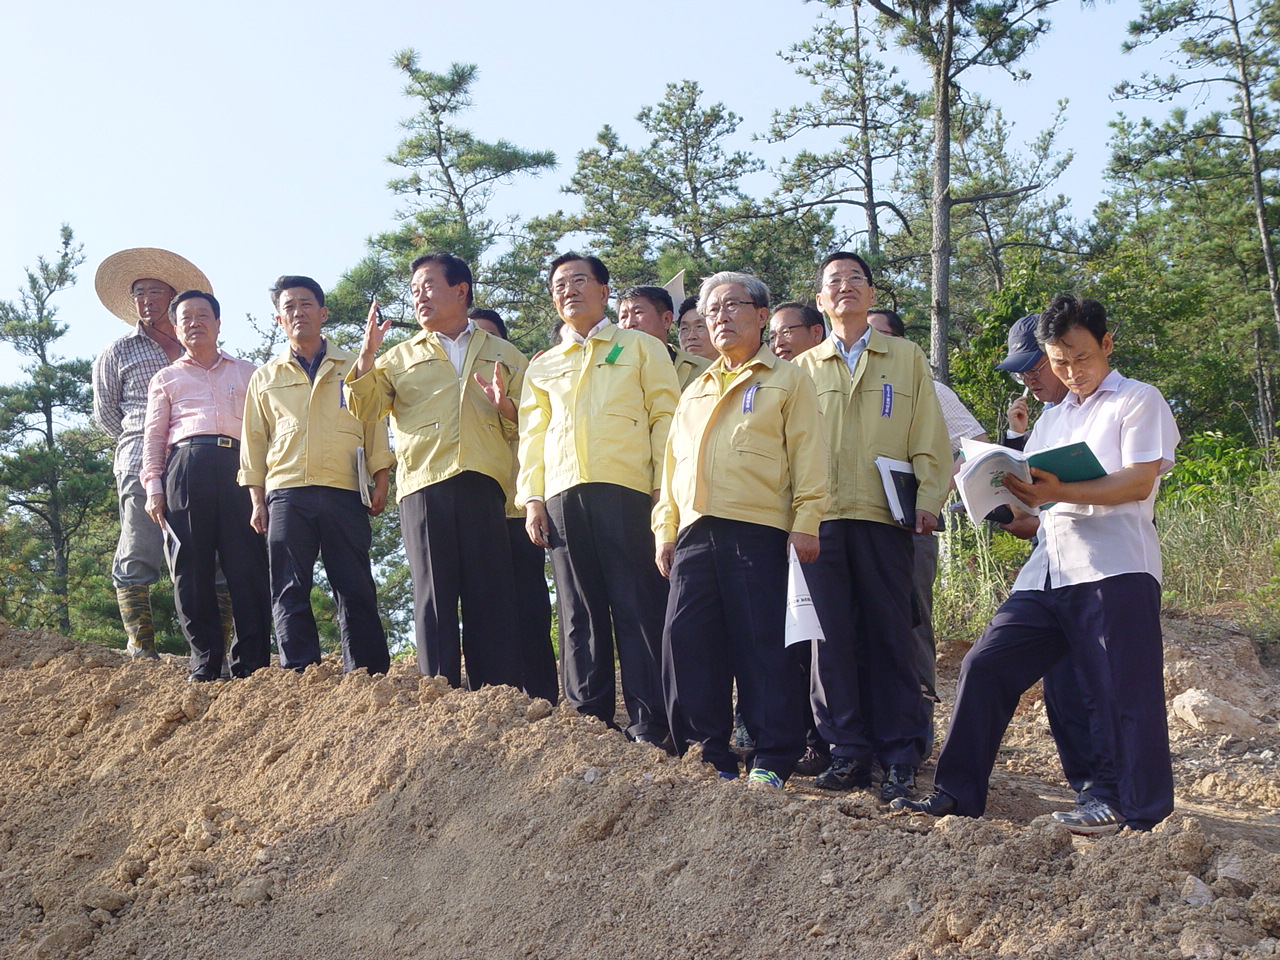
x=191 y=453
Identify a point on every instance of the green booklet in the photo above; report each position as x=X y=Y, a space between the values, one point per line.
x=981 y=479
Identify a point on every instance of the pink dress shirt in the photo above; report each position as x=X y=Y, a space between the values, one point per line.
x=186 y=400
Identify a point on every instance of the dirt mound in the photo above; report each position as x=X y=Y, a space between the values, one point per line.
x=319 y=816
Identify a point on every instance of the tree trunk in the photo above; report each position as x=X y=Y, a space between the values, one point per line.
x=941 y=250
x=1248 y=121
x=864 y=136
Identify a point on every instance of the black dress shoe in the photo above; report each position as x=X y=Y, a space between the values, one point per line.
x=844 y=774
x=202 y=678
x=813 y=762
x=936 y=804
x=900 y=782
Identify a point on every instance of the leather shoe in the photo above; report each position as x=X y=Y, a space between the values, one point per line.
x=937 y=804
x=900 y=782
x=844 y=774
x=813 y=762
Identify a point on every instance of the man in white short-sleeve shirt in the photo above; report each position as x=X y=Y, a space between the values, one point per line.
x=1091 y=590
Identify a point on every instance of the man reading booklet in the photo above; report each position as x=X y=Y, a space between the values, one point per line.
x=981 y=479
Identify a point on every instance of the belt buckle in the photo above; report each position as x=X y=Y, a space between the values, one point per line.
x=225 y=441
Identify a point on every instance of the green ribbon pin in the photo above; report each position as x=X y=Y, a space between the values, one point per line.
x=612 y=355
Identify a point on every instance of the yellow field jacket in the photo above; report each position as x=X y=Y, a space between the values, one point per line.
x=596 y=413
x=688 y=367
x=754 y=452
x=443 y=424
x=889 y=408
x=300 y=433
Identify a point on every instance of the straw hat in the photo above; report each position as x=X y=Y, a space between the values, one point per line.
x=120 y=271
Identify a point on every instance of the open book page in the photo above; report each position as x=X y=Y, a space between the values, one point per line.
x=362 y=473
x=981 y=479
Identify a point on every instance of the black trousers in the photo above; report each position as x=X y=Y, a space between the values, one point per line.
x=208 y=512
x=726 y=620
x=533 y=613
x=608 y=588
x=865 y=683
x=455 y=537
x=1110 y=628
x=306 y=522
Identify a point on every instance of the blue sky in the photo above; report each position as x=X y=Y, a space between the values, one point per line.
x=251 y=137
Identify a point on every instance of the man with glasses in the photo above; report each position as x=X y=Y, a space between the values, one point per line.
x=877 y=399
x=594 y=418
x=795 y=328
x=1030 y=367
x=691 y=331
x=648 y=309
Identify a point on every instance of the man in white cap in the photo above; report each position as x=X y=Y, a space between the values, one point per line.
x=137 y=286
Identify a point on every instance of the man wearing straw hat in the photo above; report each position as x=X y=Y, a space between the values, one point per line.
x=137 y=286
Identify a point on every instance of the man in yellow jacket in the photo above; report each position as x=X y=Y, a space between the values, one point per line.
x=298 y=457
x=450 y=391
x=744 y=480
x=877 y=400
x=594 y=417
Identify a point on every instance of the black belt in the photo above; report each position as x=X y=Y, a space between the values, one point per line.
x=212 y=439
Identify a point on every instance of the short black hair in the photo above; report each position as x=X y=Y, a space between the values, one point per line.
x=895 y=322
x=289 y=281
x=493 y=316
x=832 y=258
x=809 y=314
x=687 y=304
x=455 y=269
x=1066 y=311
x=192 y=295
x=655 y=295
x=598 y=269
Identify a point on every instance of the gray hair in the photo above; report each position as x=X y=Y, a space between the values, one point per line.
x=755 y=287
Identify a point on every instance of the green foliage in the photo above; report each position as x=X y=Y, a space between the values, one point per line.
x=56 y=478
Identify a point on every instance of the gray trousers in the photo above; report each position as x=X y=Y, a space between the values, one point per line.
x=140 y=550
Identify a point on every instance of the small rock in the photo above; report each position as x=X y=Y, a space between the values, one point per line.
x=1196 y=892
x=249 y=893
x=592 y=774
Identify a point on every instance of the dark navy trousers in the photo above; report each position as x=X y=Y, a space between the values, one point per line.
x=455 y=538
x=306 y=522
x=533 y=612
x=609 y=589
x=1110 y=628
x=726 y=620
x=865 y=681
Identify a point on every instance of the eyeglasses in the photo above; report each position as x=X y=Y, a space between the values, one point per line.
x=730 y=308
x=1033 y=373
x=565 y=284
x=784 y=333
x=854 y=280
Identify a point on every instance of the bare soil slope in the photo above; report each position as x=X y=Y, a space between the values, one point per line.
x=318 y=816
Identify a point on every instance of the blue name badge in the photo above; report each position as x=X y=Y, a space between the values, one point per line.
x=886 y=400
x=749 y=398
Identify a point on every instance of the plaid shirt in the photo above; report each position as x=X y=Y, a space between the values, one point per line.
x=121 y=374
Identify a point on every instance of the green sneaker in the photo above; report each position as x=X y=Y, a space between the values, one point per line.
x=761 y=778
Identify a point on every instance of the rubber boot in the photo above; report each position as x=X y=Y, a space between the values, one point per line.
x=135 y=613
x=228 y=629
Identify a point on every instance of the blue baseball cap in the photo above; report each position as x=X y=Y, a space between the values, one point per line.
x=1024 y=351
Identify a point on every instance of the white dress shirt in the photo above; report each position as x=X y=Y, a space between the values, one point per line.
x=1124 y=422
